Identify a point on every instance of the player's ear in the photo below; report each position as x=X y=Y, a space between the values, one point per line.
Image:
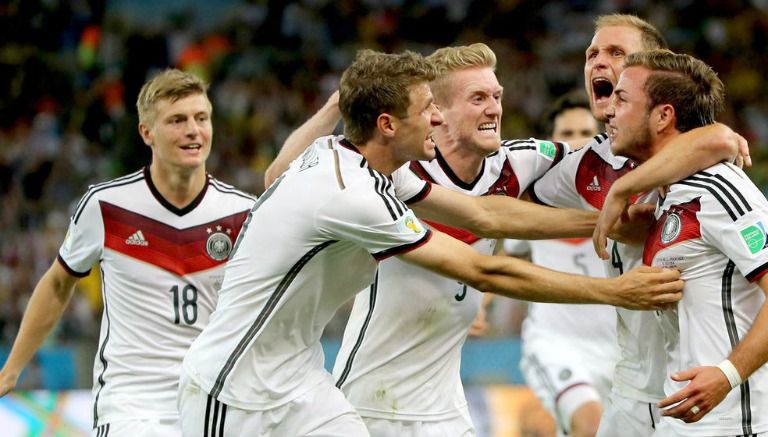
x=666 y=117
x=146 y=134
x=386 y=124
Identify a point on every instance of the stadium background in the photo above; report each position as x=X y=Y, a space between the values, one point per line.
x=70 y=72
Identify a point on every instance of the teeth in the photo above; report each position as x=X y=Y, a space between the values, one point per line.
x=487 y=126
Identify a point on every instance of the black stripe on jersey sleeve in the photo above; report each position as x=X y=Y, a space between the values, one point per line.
x=559 y=154
x=380 y=188
x=714 y=193
x=389 y=192
x=421 y=195
x=125 y=180
x=757 y=273
x=709 y=179
x=518 y=144
x=361 y=335
x=70 y=270
x=392 y=251
x=734 y=190
x=258 y=323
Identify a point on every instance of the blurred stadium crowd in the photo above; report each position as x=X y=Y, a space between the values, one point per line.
x=70 y=72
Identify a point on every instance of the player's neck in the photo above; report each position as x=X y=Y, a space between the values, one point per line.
x=380 y=157
x=466 y=164
x=179 y=188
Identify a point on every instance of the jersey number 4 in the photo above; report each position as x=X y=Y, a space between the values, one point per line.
x=184 y=304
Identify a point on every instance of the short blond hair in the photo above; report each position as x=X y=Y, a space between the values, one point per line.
x=650 y=36
x=449 y=59
x=172 y=84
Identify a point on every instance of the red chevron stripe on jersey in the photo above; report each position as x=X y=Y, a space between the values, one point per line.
x=595 y=177
x=506 y=185
x=678 y=224
x=179 y=251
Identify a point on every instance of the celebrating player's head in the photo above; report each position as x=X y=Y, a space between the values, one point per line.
x=659 y=94
x=377 y=83
x=615 y=37
x=175 y=120
x=469 y=96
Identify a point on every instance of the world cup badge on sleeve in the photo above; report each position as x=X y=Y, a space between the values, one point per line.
x=219 y=244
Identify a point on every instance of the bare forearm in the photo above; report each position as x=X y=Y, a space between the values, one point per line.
x=45 y=307
x=519 y=279
x=686 y=154
x=504 y=217
x=525 y=220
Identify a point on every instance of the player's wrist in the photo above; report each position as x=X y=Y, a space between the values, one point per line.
x=731 y=373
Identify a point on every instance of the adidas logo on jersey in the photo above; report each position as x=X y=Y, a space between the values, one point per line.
x=594 y=185
x=137 y=239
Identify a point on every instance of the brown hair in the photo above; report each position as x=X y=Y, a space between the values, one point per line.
x=450 y=59
x=378 y=83
x=171 y=84
x=686 y=83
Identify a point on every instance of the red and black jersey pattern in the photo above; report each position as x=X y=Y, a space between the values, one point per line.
x=179 y=251
x=506 y=185
x=676 y=225
x=595 y=177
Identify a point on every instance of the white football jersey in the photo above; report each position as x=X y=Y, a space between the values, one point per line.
x=582 y=180
x=401 y=351
x=161 y=269
x=712 y=227
x=311 y=243
x=589 y=328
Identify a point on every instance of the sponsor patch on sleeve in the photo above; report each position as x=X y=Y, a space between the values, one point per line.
x=754 y=237
x=547 y=149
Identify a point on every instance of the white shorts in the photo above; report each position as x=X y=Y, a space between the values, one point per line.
x=554 y=371
x=459 y=426
x=139 y=428
x=629 y=418
x=322 y=411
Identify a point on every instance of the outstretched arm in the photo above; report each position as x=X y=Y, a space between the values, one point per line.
x=686 y=154
x=503 y=217
x=709 y=385
x=322 y=123
x=642 y=288
x=50 y=298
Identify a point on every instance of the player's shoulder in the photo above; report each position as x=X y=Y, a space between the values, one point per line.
x=229 y=191
x=112 y=189
x=722 y=184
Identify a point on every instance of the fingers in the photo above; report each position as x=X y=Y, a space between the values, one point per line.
x=744 y=151
x=600 y=242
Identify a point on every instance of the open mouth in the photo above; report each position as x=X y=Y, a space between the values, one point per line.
x=601 y=88
x=191 y=147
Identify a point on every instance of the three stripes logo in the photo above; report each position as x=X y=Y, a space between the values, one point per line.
x=137 y=239
x=594 y=185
